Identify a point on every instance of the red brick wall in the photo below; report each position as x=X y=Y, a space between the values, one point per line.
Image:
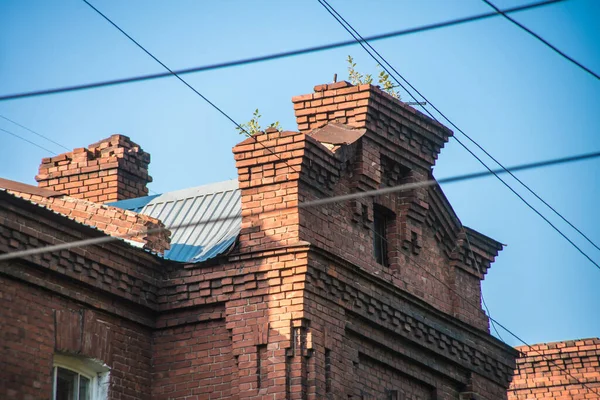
x=333 y=310
x=400 y=146
x=559 y=370
x=95 y=302
x=112 y=169
x=35 y=324
x=193 y=360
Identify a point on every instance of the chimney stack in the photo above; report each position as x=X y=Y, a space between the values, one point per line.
x=112 y=169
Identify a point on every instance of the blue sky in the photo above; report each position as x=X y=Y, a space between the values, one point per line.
x=517 y=98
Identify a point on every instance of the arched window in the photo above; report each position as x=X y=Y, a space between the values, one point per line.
x=76 y=378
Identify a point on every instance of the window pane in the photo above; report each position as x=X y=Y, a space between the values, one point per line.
x=84 y=388
x=65 y=384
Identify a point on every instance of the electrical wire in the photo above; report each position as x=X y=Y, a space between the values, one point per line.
x=460 y=130
x=541 y=39
x=274 y=56
x=171 y=72
x=492 y=320
x=188 y=85
x=328 y=7
x=359 y=39
x=27 y=140
x=35 y=133
x=313 y=203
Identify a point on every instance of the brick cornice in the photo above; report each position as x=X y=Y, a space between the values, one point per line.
x=412 y=318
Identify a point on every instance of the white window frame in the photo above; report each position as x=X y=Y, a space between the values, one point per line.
x=95 y=371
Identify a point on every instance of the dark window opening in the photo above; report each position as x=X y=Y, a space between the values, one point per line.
x=261 y=365
x=392 y=395
x=328 y=389
x=381 y=220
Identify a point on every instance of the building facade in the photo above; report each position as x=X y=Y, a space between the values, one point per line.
x=370 y=298
x=558 y=370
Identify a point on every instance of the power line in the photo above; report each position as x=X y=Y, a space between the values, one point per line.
x=541 y=39
x=361 y=40
x=366 y=42
x=328 y=7
x=27 y=140
x=42 y=136
x=492 y=320
x=313 y=203
x=35 y=133
x=171 y=72
x=274 y=56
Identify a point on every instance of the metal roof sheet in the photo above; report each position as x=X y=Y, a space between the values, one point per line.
x=195 y=242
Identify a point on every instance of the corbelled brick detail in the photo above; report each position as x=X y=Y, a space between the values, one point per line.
x=112 y=169
x=558 y=370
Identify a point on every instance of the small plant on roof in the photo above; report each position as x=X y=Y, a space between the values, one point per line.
x=252 y=127
x=357 y=78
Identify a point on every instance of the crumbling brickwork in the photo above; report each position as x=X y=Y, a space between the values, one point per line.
x=558 y=370
x=112 y=169
x=149 y=232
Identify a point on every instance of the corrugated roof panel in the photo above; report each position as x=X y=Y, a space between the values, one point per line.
x=182 y=210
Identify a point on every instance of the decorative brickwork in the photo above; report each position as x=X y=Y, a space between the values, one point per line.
x=300 y=308
x=112 y=169
x=559 y=370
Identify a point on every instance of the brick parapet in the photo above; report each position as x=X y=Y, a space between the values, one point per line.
x=569 y=369
x=113 y=169
x=272 y=186
x=395 y=125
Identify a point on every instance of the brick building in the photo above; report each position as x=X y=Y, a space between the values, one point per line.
x=373 y=298
x=559 y=370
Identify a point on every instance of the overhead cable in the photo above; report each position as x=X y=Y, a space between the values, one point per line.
x=186 y=83
x=27 y=140
x=313 y=203
x=541 y=39
x=35 y=133
x=478 y=307
x=274 y=56
x=359 y=39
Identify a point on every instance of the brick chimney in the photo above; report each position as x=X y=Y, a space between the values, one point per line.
x=112 y=169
